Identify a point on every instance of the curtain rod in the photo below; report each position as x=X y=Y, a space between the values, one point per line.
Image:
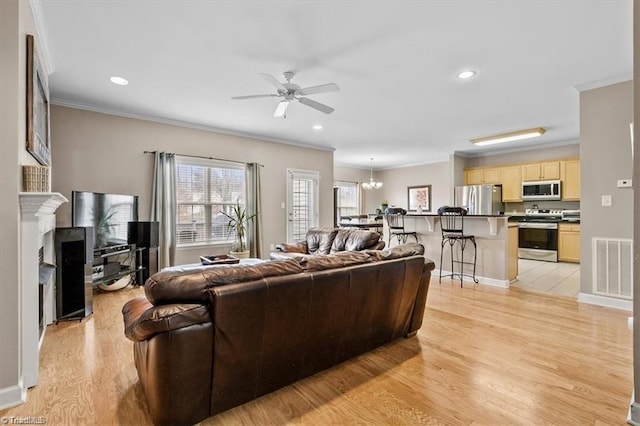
x=206 y=158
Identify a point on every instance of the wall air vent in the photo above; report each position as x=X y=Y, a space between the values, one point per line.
x=613 y=267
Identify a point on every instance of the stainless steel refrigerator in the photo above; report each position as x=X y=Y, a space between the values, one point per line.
x=479 y=199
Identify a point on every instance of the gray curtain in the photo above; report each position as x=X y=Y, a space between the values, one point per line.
x=163 y=205
x=254 y=205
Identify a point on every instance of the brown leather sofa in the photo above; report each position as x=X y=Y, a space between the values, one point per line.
x=328 y=241
x=210 y=339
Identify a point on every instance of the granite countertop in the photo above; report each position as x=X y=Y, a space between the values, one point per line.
x=469 y=215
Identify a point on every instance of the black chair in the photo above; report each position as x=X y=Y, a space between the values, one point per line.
x=395 y=222
x=452 y=226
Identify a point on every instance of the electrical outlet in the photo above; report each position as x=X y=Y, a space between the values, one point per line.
x=606 y=201
x=624 y=183
x=283 y=205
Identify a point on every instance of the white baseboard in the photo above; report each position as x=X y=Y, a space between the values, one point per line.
x=482 y=280
x=12 y=396
x=609 y=302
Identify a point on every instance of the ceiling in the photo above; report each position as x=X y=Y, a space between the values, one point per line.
x=395 y=62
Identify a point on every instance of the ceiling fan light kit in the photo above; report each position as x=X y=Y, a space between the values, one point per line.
x=372 y=184
x=292 y=92
x=509 y=137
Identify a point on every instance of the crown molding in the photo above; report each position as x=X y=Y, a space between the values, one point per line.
x=41 y=37
x=162 y=120
x=604 y=82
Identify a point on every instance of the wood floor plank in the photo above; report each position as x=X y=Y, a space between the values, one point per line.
x=484 y=355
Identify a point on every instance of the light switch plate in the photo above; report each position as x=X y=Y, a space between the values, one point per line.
x=624 y=183
x=606 y=201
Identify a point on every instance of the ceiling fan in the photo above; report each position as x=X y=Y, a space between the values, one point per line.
x=290 y=92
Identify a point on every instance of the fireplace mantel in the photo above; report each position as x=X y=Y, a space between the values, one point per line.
x=37 y=223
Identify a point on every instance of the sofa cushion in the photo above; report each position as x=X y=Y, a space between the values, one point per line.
x=403 y=250
x=191 y=287
x=319 y=240
x=331 y=261
x=142 y=320
x=354 y=240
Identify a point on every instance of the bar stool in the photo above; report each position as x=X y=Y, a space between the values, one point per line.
x=395 y=221
x=452 y=226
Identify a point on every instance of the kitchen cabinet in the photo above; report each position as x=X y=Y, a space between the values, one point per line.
x=549 y=170
x=482 y=176
x=512 y=184
x=570 y=176
x=569 y=242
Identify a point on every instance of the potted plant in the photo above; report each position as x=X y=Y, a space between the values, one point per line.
x=238 y=221
x=383 y=205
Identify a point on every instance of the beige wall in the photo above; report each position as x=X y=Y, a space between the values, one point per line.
x=104 y=153
x=605 y=157
x=16 y=21
x=396 y=181
x=370 y=198
x=541 y=154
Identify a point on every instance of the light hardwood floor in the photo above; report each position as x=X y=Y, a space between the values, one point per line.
x=484 y=355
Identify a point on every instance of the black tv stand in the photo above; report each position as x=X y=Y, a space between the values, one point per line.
x=112 y=263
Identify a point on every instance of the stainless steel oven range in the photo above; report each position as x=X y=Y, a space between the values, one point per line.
x=538 y=234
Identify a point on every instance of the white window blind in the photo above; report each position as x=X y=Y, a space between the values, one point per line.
x=205 y=188
x=348 y=199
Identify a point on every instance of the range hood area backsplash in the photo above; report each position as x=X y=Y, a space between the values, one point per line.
x=519 y=208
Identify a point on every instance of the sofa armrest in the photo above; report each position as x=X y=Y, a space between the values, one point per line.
x=300 y=247
x=142 y=320
x=421 y=299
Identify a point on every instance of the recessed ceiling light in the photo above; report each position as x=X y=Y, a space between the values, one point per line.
x=466 y=74
x=317 y=127
x=119 y=81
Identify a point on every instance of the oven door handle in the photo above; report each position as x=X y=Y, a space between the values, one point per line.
x=538 y=225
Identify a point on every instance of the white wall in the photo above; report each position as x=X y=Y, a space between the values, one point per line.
x=540 y=154
x=104 y=153
x=16 y=21
x=605 y=157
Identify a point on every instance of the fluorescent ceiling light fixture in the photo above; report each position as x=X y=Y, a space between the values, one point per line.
x=509 y=137
x=372 y=184
x=119 y=80
x=317 y=127
x=466 y=74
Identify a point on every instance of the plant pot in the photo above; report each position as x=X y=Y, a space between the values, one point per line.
x=240 y=254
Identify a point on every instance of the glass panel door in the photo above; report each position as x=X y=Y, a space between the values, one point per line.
x=302 y=203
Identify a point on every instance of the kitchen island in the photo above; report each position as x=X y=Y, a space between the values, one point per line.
x=496 y=239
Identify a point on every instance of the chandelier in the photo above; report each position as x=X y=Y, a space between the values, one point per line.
x=372 y=184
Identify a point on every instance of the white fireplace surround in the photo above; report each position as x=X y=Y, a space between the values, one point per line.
x=38 y=222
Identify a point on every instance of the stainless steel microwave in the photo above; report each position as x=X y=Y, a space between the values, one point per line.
x=541 y=190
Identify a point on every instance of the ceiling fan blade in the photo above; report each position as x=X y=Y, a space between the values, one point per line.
x=271 y=79
x=282 y=108
x=316 y=105
x=235 y=98
x=322 y=88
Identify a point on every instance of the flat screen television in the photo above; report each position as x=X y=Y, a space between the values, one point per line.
x=108 y=214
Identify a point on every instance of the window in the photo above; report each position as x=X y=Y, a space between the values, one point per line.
x=204 y=189
x=348 y=199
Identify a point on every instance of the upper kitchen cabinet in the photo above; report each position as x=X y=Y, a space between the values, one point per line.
x=570 y=175
x=512 y=184
x=483 y=175
x=549 y=170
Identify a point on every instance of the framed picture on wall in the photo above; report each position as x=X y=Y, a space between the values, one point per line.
x=38 y=132
x=419 y=198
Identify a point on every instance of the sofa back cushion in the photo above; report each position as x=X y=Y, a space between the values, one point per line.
x=331 y=261
x=402 y=250
x=319 y=240
x=354 y=240
x=191 y=287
